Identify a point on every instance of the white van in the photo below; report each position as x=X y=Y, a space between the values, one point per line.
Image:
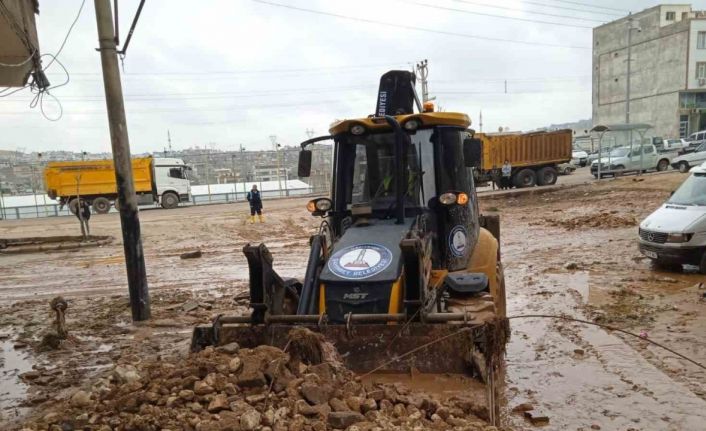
x=676 y=233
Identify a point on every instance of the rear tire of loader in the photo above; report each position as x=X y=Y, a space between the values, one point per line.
x=101 y=205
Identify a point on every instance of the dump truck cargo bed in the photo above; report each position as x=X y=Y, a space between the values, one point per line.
x=97 y=177
x=525 y=149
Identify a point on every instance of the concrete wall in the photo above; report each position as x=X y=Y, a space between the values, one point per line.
x=695 y=54
x=659 y=68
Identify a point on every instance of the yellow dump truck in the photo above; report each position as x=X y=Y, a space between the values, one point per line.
x=164 y=181
x=534 y=156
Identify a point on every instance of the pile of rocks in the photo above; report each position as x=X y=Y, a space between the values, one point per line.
x=228 y=388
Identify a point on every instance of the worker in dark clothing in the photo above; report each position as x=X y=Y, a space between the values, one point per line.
x=255 y=204
x=83 y=213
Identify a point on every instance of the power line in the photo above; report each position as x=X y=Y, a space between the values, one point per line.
x=512 y=18
x=493 y=6
x=421 y=29
x=256 y=71
x=591 y=5
x=223 y=108
x=567 y=8
x=217 y=94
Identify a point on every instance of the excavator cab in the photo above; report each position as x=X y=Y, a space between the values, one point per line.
x=404 y=274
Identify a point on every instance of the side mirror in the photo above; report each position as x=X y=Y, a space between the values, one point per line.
x=472 y=149
x=304 y=168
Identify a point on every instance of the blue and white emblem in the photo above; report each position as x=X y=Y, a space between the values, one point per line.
x=360 y=261
x=458 y=241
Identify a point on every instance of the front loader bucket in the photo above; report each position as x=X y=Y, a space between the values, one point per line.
x=467 y=356
x=366 y=347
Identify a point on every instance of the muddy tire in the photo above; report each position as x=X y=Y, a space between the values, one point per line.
x=683 y=167
x=547 y=176
x=101 y=205
x=702 y=265
x=662 y=165
x=170 y=200
x=525 y=178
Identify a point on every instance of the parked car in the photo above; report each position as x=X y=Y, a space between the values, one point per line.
x=669 y=145
x=675 y=234
x=579 y=157
x=687 y=161
x=566 y=168
x=628 y=159
x=695 y=140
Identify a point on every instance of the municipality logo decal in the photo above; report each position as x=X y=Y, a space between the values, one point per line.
x=360 y=261
x=457 y=241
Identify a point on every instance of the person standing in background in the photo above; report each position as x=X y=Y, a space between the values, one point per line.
x=255 y=204
x=506 y=172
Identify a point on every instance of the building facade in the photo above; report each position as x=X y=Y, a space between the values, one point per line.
x=667 y=85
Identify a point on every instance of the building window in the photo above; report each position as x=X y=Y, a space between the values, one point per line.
x=671 y=16
x=684 y=15
x=701 y=70
x=701 y=40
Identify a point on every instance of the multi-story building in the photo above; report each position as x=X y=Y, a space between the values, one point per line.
x=667 y=85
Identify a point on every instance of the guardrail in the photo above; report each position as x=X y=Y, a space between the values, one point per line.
x=41 y=210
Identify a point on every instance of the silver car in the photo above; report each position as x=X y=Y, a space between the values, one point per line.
x=630 y=159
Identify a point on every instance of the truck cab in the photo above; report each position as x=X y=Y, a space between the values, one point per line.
x=675 y=234
x=171 y=181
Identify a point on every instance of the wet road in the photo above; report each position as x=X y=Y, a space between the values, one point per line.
x=579 y=376
x=583 y=376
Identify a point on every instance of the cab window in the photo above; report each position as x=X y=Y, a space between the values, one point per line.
x=451 y=171
x=176 y=173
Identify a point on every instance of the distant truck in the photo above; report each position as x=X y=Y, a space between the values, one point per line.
x=163 y=181
x=535 y=157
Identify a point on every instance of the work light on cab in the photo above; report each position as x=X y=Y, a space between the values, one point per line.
x=357 y=129
x=411 y=125
x=318 y=206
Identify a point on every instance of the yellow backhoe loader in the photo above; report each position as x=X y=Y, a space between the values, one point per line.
x=404 y=274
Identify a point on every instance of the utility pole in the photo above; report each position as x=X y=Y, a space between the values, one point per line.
x=119 y=141
x=169 y=141
x=423 y=70
x=273 y=139
x=480 y=120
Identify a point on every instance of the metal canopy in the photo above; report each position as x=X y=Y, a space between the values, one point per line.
x=620 y=127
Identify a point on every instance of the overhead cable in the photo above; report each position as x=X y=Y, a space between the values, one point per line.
x=512 y=18
x=514 y=9
x=421 y=29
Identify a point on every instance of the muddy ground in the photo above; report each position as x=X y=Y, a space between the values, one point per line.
x=570 y=251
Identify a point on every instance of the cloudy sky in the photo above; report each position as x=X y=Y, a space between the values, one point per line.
x=221 y=73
